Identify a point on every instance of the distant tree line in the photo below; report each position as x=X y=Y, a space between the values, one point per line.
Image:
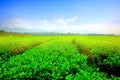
x=55 y=33
x=2 y=31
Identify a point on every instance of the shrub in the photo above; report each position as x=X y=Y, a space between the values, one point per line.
x=111 y=64
x=46 y=62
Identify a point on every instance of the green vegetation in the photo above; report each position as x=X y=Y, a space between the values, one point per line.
x=25 y=56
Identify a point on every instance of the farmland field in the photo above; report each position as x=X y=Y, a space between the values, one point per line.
x=64 y=57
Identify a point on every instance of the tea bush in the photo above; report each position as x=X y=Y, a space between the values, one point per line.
x=59 y=57
x=111 y=64
x=4 y=56
x=48 y=61
x=18 y=44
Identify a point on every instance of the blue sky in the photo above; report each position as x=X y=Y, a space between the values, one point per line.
x=78 y=16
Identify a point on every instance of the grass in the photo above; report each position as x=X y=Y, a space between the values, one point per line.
x=59 y=57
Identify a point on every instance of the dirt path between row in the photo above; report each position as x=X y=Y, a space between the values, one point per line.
x=102 y=68
x=82 y=51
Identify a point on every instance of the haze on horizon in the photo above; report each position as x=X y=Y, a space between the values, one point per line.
x=75 y=16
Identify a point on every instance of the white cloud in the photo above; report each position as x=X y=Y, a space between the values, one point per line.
x=102 y=28
x=65 y=21
x=61 y=25
x=17 y=23
x=57 y=24
x=72 y=19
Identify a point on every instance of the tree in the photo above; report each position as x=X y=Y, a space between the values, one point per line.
x=2 y=31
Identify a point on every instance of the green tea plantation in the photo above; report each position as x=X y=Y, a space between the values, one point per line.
x=63 y=57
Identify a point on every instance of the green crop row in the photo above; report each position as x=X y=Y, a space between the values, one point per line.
x=18 y=44
x=60 y=60
x=60 y=57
